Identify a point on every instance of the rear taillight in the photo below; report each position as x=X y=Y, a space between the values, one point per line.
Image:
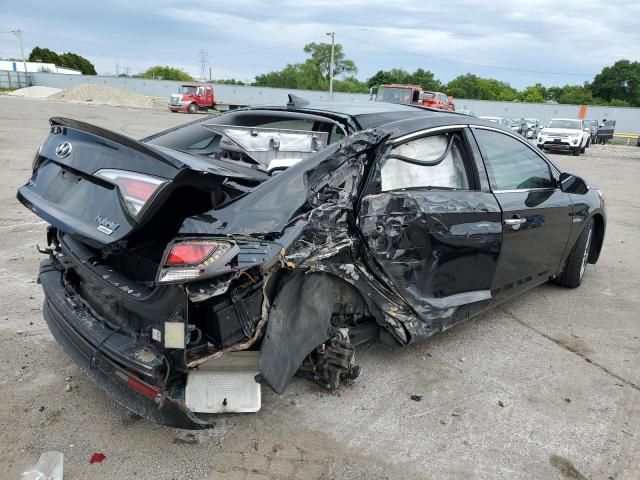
x=186 y=254
x=136 y=189
x=193 y=259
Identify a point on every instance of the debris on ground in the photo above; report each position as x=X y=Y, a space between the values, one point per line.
x=501 y=403
x=416 y=398
x=35 y=92
x=103 y=95
x=49 y=467
x=97 y=457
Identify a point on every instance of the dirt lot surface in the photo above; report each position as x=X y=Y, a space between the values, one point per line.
x=546 y=386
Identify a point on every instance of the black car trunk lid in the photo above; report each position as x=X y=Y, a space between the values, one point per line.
x=73 y=186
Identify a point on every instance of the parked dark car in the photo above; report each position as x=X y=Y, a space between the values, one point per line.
x=181 y=283
x=593 y=128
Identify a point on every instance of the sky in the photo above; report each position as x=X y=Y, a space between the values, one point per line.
x=516 y=41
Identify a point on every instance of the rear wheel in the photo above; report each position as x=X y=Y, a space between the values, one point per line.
x=192 y=108
x=576 y=264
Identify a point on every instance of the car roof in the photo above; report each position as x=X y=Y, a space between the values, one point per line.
x=366 y=114
x=572 y=119
x=411 y=125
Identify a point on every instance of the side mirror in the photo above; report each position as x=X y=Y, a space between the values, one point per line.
x=573 y=184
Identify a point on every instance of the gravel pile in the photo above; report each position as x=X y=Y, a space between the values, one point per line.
x=103 y=95
x=35 y=92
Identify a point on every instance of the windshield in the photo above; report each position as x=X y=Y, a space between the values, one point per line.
x=530 y=121
x=570 y=124
x=428 y=95
x=187 y=89
x=394 y=95
x=515 y=121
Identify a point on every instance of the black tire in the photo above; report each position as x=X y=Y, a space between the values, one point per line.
x=588 y=142
x=192 y=108
x=576 y=264
x=576 y=151
x=541 y=147
x=583 y=149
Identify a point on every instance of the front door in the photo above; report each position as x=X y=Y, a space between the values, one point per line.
x=430 y=227
x=536 y=214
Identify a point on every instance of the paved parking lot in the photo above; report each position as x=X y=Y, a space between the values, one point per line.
x=547 y=386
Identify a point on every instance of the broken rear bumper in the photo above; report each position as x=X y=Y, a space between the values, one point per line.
x=105 y=358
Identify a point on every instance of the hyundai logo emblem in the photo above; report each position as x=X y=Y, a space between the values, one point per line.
x=63 y=150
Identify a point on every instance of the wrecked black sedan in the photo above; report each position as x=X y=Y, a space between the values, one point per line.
x=182 y=284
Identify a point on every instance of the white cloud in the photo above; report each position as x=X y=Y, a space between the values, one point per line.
x=575 y=36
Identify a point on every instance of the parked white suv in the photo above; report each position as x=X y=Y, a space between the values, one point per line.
x=566 y=134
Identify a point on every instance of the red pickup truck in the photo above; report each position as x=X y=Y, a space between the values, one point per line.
x=192 y=97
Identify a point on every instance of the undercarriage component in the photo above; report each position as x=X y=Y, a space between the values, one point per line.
x=331 y=362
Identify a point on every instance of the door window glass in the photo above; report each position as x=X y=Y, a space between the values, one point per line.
x=512 y=165
x=434 y=161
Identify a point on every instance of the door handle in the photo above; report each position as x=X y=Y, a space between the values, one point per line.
x=515 y=222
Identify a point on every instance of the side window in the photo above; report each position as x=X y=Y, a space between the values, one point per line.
x=512 y=165
x=336 y=135
x=434 y=161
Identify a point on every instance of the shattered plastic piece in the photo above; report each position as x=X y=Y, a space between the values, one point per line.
x=416 y=398
x=49 y=467
x=97 y=457
x=501 y=403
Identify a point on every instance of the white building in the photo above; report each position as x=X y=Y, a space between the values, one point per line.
x=18 y=66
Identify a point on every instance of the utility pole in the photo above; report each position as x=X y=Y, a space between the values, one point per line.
x=204 y=61
x=18 y=33
x=333 y=44
x=117 y=69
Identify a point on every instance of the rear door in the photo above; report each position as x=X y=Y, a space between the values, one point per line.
x=536 y=214
x=431 y=223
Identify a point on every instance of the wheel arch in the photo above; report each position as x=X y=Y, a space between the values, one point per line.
x=598 y=238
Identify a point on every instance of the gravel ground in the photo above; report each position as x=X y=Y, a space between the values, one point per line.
x=545 y=387
x=35 y=92
x=103 y=95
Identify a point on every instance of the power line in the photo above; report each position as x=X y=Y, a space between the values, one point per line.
x=297 y=42
x=497 y=67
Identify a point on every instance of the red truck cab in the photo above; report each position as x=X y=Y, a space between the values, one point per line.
x=192 y=97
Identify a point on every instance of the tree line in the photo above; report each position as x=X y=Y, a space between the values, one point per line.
x=617 y=85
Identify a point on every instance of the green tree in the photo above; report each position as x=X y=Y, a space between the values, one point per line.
x=474 y=87
x=533 y=94
x=166 y=73
x=73 y=60
x=621 y=81
x=576 y=94
x=44 y=55
x=350 y=84
x=68 y=60
x=321 y=56
x=424 y=78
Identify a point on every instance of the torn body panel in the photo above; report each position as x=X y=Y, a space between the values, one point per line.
x=439 y=249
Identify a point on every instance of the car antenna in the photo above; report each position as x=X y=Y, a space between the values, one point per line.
x=295 y=101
